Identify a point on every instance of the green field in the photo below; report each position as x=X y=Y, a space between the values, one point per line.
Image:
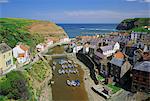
x=14 y=30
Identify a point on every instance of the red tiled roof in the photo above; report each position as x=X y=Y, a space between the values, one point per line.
x=146 y=56
x=21 y=55
x=119 y=55
x=24 y=47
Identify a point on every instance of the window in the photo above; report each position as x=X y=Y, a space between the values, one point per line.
x=137 y=78
x=117 y=79
x=8 y=62
x=135 y=86
x=9 y=53
x=144 y=79
x=142 y=88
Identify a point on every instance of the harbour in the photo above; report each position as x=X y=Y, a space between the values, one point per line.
x=61 y=91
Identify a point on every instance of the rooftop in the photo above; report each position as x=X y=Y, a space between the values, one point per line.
x=119 y=55
x=100 y=55
x=4 y=48
x=107 y=48
x=117 y=62
x=142 y=66
x=25 y=48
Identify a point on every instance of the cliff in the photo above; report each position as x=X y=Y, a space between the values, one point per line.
x=134 y=24
x=30 y=32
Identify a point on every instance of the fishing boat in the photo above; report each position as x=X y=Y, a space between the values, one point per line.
x=68 y=82
x=73 y=83
x=75 y=71
x=76 y=65
x=53 y=67
x=61 y=71
x=69 y=61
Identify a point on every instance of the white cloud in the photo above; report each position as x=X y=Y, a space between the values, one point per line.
x=87 y=16
x=131 y=0
x=104 y=14
x=146 y=1
x=95 y=16
x=4 y=1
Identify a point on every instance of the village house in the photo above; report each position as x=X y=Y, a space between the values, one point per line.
x=6 y=58
x=110 y=49
x=147 y=27
x=136 y=36
x=49 y=42
x=77 y=48
x=40 y=47
x=118 y=67
x=21 y=53
x=65 y=40
x=141 y=77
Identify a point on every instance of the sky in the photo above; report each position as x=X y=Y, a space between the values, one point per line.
x=75 y=11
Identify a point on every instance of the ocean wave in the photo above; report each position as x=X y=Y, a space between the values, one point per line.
x=97 y=29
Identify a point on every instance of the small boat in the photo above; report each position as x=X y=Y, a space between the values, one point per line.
x=61 y=71
x=73 y=83
x=54 y=63
x=76 y=65
x=77 y=82
x=53 y=67
x=69 y=61
x=66 y=71
x=75 y=71
x=71 y=71
x=68 y=82
x=63 y=66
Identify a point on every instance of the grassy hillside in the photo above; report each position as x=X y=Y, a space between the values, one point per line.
x=134 y=24
x=26 y=85
x=30 y=32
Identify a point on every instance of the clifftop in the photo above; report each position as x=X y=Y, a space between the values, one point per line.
x=134 y=24
x=30 y=32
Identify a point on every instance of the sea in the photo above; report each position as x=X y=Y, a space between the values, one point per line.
x=74 y=30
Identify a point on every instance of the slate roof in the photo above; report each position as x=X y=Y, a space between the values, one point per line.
x=4 y=48
x=117 y=62
x=142 y=66
x=106 y=48
x=98 y=54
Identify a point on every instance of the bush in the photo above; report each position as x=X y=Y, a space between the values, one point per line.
x=38 y=70
x=14 y=86
x=3 y=98
x=114 y=88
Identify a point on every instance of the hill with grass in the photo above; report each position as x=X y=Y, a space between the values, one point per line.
x=134 y=24
x=30 y=32
x=25 y=85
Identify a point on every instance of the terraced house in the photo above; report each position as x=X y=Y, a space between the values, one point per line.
x=6 y=58
x=141 y=77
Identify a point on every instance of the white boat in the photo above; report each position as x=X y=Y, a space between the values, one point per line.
x=76 y=65
x=66 y=71
x=53 y=67
x=69 y=61
x=71 y=71
x=59 y=71
x=73 y=83
x=68 y=82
